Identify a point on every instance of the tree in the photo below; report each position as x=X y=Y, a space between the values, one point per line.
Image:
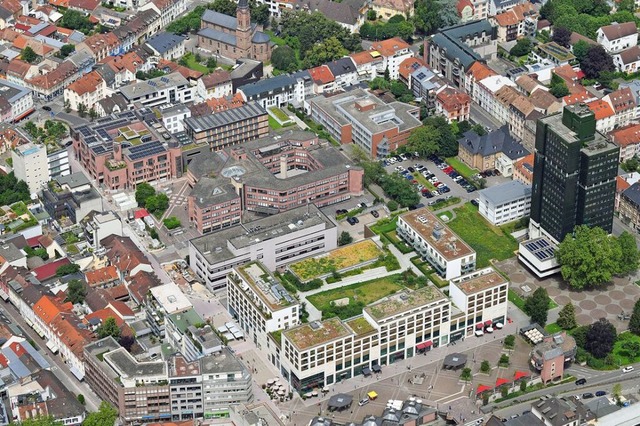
x=504 y=391
x=67 y=106
x=567 y=317
x=127 y=342
x=69 y=268
x=67 y=50
x=427 y=17
x=76 y=291
x=634 y=322
x=485 y=367
x=399 y=189
x=82 y=109
x=627 y=5
x=143 y=192
x=105 y=416
x=600 y=338
x=523 y=386
x=387 y=74
x=424 y=140
x=629 y=254
x=558 y=88
x=40 y=421
x=109 y=328
x=93 y=114
x=344 y=238
x=562 y=36
x=13 y=190
x=465 y=374
x=447 y=140
x=327 y=51
x=212 y=63
x=523 y=47
x=76 y=20
x=632 y=347
x=510 y=341
x=260 y=13
x=81 y=399
x=580 y=50
x=371 y=15
x=504 y=360
x=596 y=61
x=589 y=258
x=157 y=203
x=537 y=306
x=284 y=58
x=28 y=55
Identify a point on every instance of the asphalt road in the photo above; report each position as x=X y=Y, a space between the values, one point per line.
x=480 y=116
x=58 y=367
x=600 y=381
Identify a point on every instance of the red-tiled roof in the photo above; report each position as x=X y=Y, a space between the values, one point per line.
x=390 y=46
x=88 y=83
x=409 y=65
x=601 y=109
x=48 y=270
x=625 y=136
x=121 y=309
x=621 y=184
x=33 y=241
x=102 y=276
x=140 y=213
x=321 y=75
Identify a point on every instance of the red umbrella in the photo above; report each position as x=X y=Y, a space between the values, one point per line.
x=483 y=388
x=519 y=375
x=501 y=381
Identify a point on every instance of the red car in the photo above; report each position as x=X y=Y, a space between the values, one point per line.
x=448 y=169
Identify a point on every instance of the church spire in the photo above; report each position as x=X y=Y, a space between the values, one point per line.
x=243 y=4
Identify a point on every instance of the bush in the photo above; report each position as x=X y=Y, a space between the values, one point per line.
x=510 y=341
x=485 y=367
x=392 y=206
x=503 y=361
x=172 y=222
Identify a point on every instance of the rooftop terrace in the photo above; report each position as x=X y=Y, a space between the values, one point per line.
x=316 y=333
x=472 y=283
x=404 y=301
x=265 y=285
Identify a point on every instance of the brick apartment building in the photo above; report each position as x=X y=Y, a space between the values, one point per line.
x=360 y=117
x=268 y=176
x=125 y=149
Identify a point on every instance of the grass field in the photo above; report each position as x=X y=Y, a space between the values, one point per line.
x=360 y=294
x=273 y=123
x=195 y=65
x=621 y=355
x=489 y=241
x=461 y=168
x=442 y=203
x=279 y=114
x=336 y=260
x=516 y=299
x=552 y=328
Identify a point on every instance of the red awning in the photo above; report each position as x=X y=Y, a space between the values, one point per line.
x=501 y=381
x=483 y=388
x=140 y=214
x=488 y=323
x=580 y=74
x=23 y=115
x=520 y=375
x=424 y=345
x=479 y=326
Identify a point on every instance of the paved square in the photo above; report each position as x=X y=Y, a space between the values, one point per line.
x=607 y=302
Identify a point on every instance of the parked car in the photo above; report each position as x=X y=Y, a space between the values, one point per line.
x=363 y=401
x=411 y=169
x=587 y=395
x=627 y=369
x=475 y=202
x=46 y=108
x=580 y=382
x=351 y=220
x=601 y=393
x=375 y=214
x=341 y=211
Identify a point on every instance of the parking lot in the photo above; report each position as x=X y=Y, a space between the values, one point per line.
x=420 y=169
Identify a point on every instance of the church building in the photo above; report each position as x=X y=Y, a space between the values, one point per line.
x=234 y=38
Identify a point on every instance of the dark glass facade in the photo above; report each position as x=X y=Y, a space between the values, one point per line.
x=574 y=173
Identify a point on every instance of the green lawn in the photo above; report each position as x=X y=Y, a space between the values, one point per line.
x=442 y=203
x=279 y=114
x=423 y=181
x=489 y=241
x=620 y=354
x=273 y=123
x=195 y=65
x=461 y=168
x=516 y=299
x=278 y=41
x=360 y=295
x=552 y=328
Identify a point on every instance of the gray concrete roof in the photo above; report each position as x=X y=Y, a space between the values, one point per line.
x=506 y=192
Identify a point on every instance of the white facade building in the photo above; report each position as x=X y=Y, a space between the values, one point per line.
x=30 y=164
x=259 y=309
x=173 y=117
x=58 y=163
x=19 y=100
x=484 y=92
x=169 y=89
x=482 y=298
x=617 y=37
x=505 y=203
x=436 y=243
x=274 y=240
x=215 y=85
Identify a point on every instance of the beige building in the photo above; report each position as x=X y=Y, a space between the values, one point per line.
x=31 y=165
x=385 y=9
x=87 y=90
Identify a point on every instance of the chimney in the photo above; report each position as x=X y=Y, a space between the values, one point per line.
x=283 y=166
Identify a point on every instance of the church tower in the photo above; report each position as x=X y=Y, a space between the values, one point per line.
x=243 y=30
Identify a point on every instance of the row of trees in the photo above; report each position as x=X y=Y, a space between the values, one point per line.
x=590 y=258
x=106 y=416
x=396 y=26
x=583 y=16
x=13 y=190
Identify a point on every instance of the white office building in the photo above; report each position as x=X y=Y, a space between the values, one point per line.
x=168 y=89
x=436 y=243
x=505 y=203
x=274 y=240
x=260 y=303
x=481 y=296
x=31 y=165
